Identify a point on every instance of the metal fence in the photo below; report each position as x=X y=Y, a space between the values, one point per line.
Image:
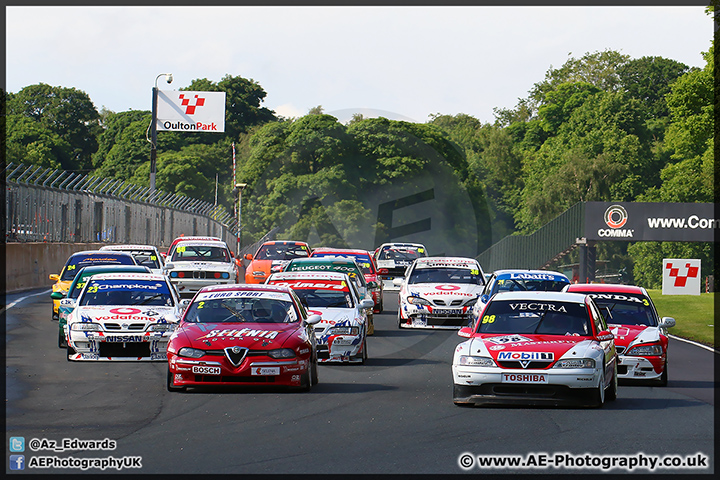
x=538 y=250
x=47 y=205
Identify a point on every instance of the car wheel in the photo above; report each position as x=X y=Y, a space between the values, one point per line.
x=70 y=351
x=364 y=352
x=170 y=385
x=371 y=325
x=599 y=392
x=613 y=387
x=400 y=321
x=664 y=377
x=314 y=367
x=55 y=316
x=306 y=381
x=61 y=340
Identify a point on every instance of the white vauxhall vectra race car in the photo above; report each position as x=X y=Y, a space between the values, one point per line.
x=536 y=348
x=123 y=317
x=439 y=292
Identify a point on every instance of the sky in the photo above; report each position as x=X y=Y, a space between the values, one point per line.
x=402 y=63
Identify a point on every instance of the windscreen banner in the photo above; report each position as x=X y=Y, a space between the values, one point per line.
x=186 y=111
x=646 y=221
x=681 y=276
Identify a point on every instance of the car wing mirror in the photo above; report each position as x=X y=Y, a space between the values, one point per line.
x=604 y=336
x=465 y=332
x=666 y=322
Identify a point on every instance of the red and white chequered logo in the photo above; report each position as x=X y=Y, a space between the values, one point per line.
x=681 y=276
x=190 y=109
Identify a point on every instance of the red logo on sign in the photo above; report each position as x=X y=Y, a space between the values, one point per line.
x=447 y=288
x=190 y=109
x=615 y=216
x=125 y=311
x=681 y=280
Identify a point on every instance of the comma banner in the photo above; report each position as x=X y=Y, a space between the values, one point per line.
x=186 y=111
x=649 y=221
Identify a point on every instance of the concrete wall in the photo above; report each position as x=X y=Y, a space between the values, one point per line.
x=27 y=265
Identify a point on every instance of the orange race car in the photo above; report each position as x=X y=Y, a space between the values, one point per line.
x=272 y=257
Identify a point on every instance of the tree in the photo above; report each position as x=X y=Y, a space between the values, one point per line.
x=66 y=113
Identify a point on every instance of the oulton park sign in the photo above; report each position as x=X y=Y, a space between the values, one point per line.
x=646 y=221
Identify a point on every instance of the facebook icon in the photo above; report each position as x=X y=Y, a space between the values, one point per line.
x=17 y=462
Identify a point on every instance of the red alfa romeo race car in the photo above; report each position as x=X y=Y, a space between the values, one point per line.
x=641 y=337
x=243 y=335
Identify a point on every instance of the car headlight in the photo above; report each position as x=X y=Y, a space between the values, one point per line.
x=281 y=353
x=469 y=360
x=418 y=301
x=575 y=363
x=86 y=327
x=162 y=327
x=191 y=352
x=344 y=331
x=471 y=302
x=644 y=350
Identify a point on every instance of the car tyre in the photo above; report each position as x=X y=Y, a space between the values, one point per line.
x=399 y=321
x=170 y=385
x=62 y=343
x=371 y=324
x=599 y=392
x=314 y=369
x=364 y=352
x=456 y=395
x=664 y=377
x=613 y=387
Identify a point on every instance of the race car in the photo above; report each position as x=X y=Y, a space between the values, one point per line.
x=536 y=348
x=393 y=259
x=183 y=238
x=124 y=317
x=336 y=264
x=439 y=292
x=366 y=262
x=272 y=257
x=243 y=335
x=81 y=259
x=147 y=255
x=641 y=337
x=342 y=333
x=193 y=264
x=511 y=280
x=67 y=302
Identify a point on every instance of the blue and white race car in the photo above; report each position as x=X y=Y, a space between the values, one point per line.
x=520 y=280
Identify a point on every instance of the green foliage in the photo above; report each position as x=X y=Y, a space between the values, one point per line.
x=59 y=126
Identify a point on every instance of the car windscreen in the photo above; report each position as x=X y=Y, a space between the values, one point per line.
x=200 y=253
x=406 y=253
x=146 y=258
x=446 y=275
x=241 y=309
x=76 y=262
x=324 y=298
x=535 y=317
x=282 y=252
x=363 y=261
x=625 y=309
x=127 y=292
x=524 y=285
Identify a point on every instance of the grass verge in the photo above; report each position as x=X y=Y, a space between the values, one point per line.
x=694 y=315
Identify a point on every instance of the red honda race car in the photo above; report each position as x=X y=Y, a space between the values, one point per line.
x=641 y=337
x=243 y=335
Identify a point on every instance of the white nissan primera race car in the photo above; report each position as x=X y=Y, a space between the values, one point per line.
x=123 y=316
x=341 y=334
x=439 y=292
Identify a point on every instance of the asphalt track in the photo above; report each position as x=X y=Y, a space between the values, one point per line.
x=393 y=415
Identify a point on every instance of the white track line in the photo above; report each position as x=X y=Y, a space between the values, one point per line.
x=9 y=306
x=694 y=343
